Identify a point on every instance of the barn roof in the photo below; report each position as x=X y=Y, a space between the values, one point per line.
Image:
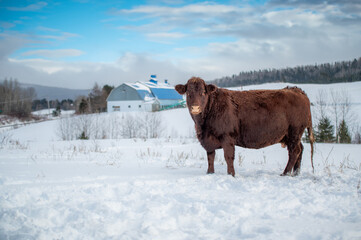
x=145 y=91
x=163 y=91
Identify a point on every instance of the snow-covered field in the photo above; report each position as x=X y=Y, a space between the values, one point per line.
x=50 y=112
x=158 y=189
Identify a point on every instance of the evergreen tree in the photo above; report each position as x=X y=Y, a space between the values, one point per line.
x=57 y=111
x=107 y=89
x=83 y=136
x=324 y=131
x=83 y=106
x=346 y=71
x=343 y=133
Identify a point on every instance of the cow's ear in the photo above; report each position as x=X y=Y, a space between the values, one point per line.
x=181 y=89
x=211 y=88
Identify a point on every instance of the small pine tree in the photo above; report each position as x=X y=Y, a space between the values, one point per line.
x=343 y=133
x=325 y=131
x=83 y=136
x=107 y=89
x=57 y=111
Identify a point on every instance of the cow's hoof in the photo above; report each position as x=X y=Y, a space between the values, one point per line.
x=210 y=170
x=285 y=174
x=296 y=173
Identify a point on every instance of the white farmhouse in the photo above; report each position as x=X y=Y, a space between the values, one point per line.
x=143 y=96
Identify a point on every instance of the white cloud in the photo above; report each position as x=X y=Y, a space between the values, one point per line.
x=47 y=66
x=162 y=35
x=128 y=68
x=185 y=17
x=46 y=29
x=293 y=17
x=10 y=41
x=58 y=53
x=32 y=7
x=247 y=21
x=201 y=8
x=61 y=36
x=6 y=25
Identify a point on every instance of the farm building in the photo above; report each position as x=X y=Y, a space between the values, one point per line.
x=143 y=96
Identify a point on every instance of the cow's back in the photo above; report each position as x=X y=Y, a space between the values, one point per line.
x=265 y=116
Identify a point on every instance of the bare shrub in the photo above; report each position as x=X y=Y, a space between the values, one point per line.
x=240 y=159
x=5 y=138
x=130 y=126
x=114 y=126
x=341 y=108
x=103 y=126
x=321 y=106
x=84 y=125
x=65 y=129
x=15 y=100
x=346 y=163
x=357 y=135
x=152 y=125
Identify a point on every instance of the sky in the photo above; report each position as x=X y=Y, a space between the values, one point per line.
x=77 y=43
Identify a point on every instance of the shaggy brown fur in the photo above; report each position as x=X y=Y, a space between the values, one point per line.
x=249 y=119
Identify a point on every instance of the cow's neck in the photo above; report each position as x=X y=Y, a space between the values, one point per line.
x=200 y=121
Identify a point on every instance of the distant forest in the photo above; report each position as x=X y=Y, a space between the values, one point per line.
x=345 y=71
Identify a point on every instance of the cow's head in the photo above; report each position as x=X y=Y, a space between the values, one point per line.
x=198 y=93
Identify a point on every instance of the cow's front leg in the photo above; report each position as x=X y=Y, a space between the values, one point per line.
x=210 y=156
x=229 y=157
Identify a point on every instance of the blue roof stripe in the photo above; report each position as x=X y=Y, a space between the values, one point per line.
x=166 y=93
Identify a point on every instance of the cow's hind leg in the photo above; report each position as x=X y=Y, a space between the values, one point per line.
x=210 y=156
x=294 y=150
x=229 y=157
x=297 y=166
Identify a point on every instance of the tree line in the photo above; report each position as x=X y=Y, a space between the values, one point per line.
x=95 y=102
x=15 y=100
x=345 y=71
x=65 y=104
x=20 y=102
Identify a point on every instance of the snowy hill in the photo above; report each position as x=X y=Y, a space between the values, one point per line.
x=353 y=90
x=53 y=93
x=143 y=188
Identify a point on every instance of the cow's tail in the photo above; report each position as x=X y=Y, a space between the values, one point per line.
x=312 y=140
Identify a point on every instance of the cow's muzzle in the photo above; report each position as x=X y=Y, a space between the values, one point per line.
x=195 y=110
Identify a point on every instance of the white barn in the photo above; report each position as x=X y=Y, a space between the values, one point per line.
x=143 y=96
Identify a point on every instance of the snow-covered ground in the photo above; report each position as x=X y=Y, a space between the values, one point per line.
x=45 y=112
x=158 y=189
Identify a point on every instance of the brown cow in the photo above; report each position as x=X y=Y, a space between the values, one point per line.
x=249 y=119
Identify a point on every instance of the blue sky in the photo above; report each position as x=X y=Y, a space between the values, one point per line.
x=77 y=43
